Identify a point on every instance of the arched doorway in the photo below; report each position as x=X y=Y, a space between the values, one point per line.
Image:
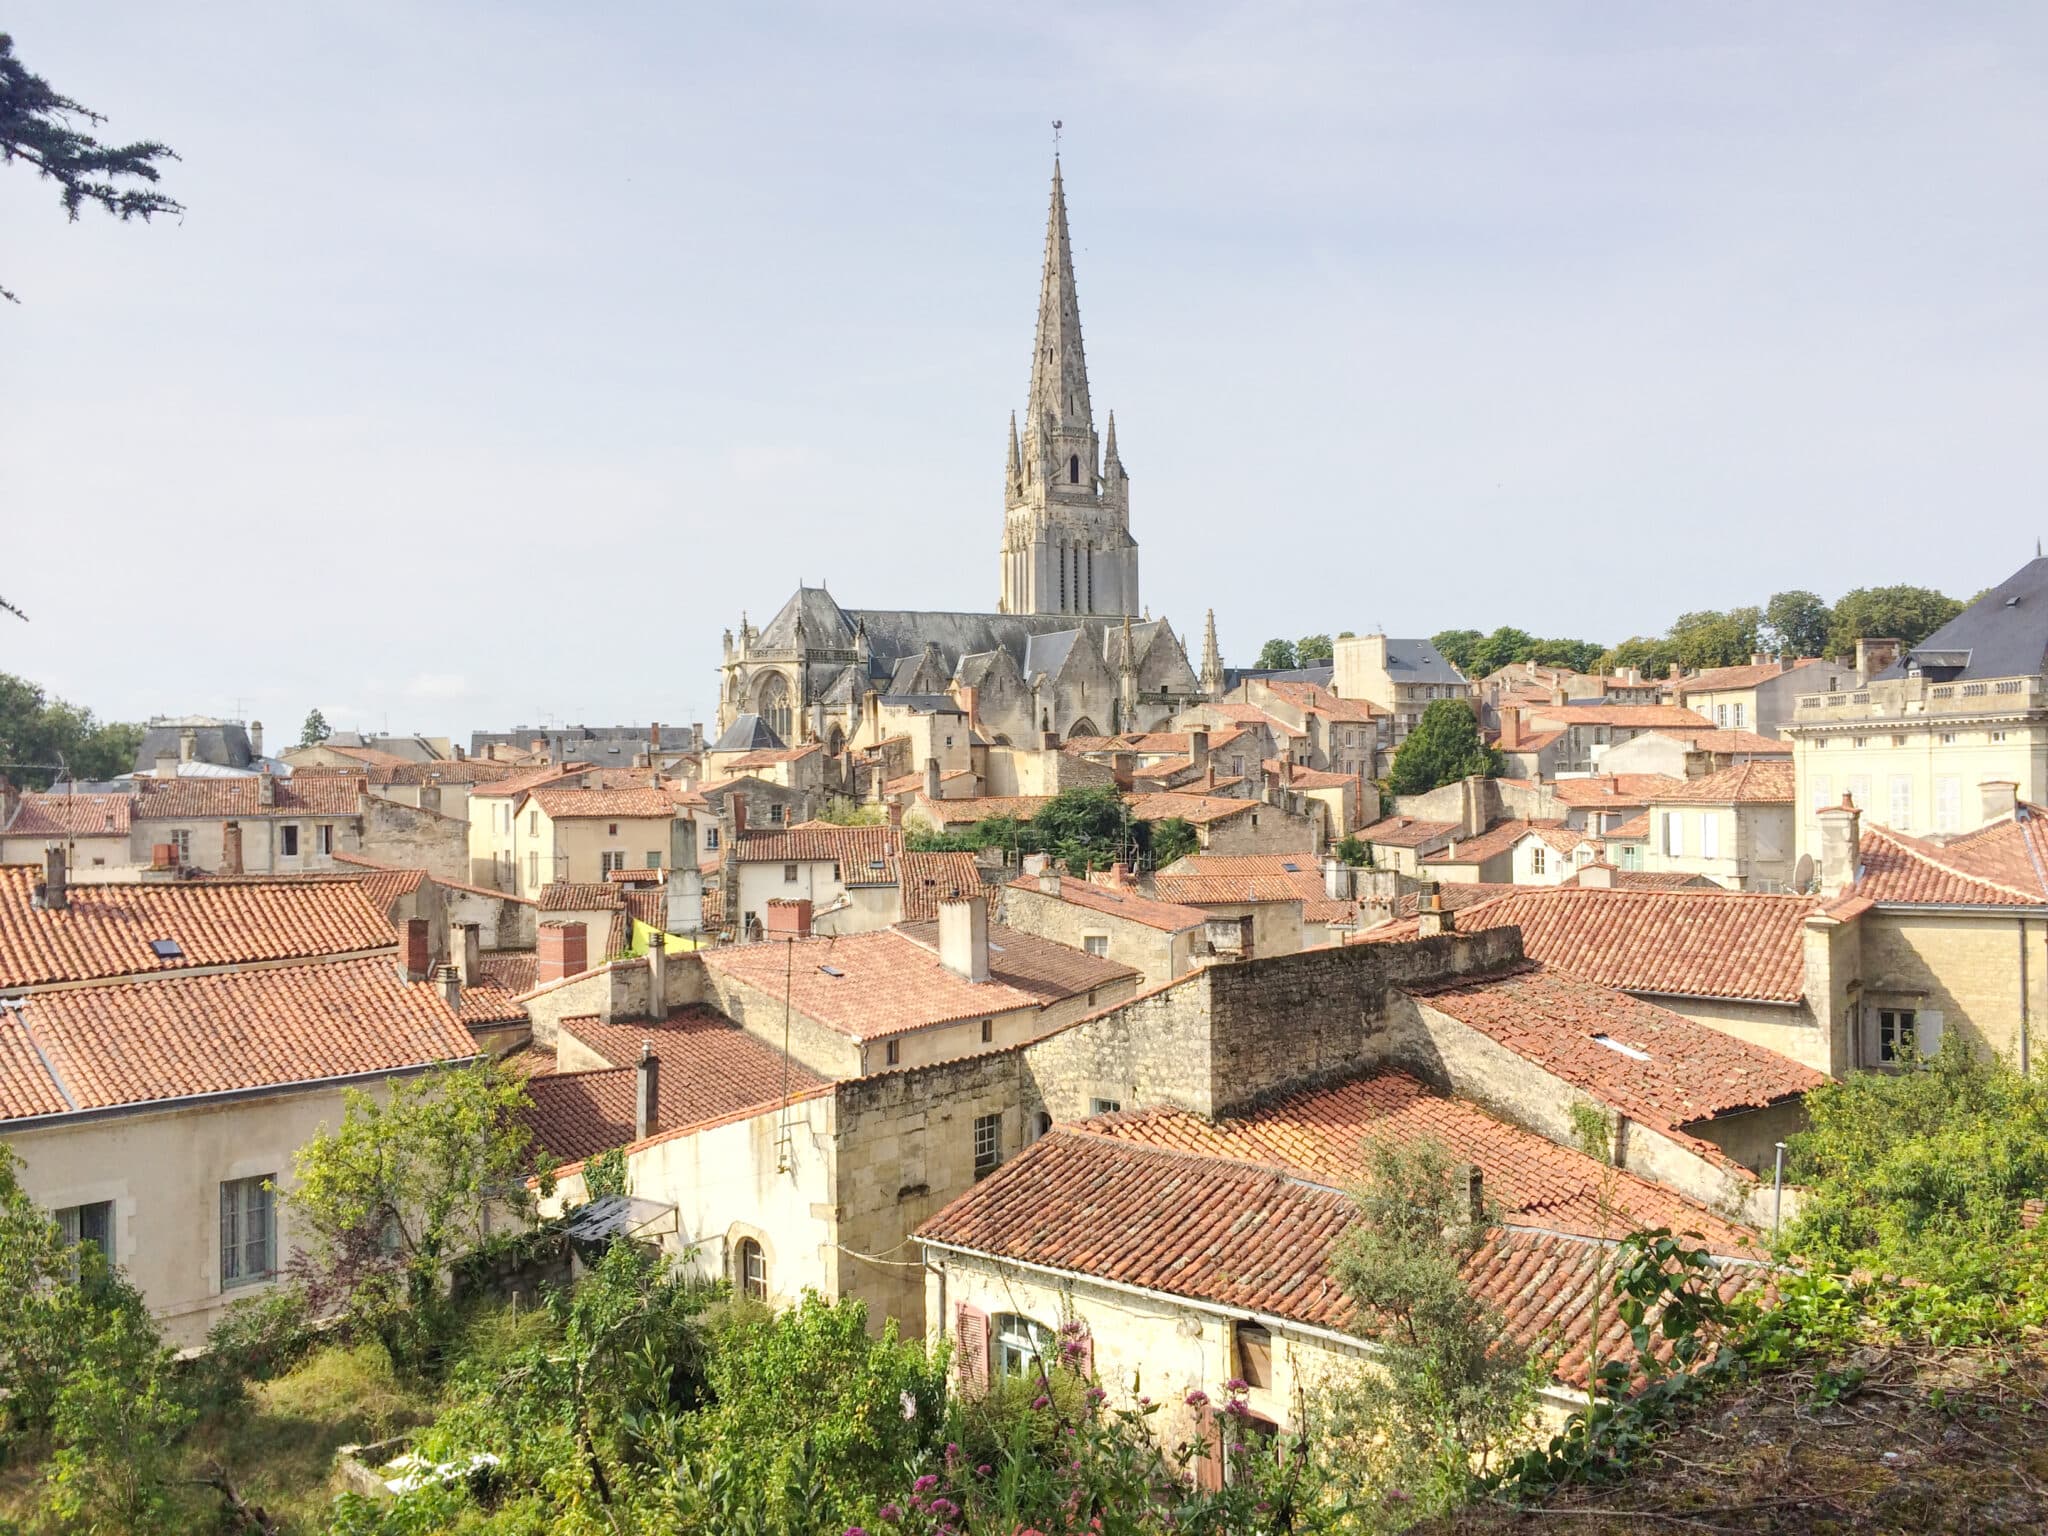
x=771 y=703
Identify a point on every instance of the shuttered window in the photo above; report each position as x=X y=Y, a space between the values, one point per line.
x=248 y=1231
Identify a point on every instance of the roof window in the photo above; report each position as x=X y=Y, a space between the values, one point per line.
x=166 y=949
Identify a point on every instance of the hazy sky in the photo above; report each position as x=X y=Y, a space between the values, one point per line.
x=508 y=352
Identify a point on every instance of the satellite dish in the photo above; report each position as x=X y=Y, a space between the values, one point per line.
x=1802 y=874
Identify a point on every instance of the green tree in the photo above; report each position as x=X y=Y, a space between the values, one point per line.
x=1459 y=647
x=1276 y=656
x=1455 y=1392
x=1088 y=828
x=43 y=736
x=1445 y=746
x=315 y=730
x=1503 y=647
x=844 y=812
x=1353 y=850
x=1905 y=614
x=1313 y=650
x=1709 y=638
x=1578 y=655
x=47 y=132
x=1172 y=839
x=1796 y=623
x=400 y=1191
x=1652 y=657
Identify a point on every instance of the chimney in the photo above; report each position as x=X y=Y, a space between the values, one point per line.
x=231 y=848
x=1558 y=696
x=931 y=779
x=448 y=982
x=1432 y=918
x=188 y=745
x=1337 y=879
x=561 y=950
x=697 y=735
x=963 y=936
x=266 y=787
x=538 y=746
x=1120 y=875
x=970 y=700
x=647 y=1093
x=55 y=895
x=1757 y=658
x=1286 y=770
x=895 y=813
x=738 y=802
x=657 y=975
x=469 y=953
x=256 y=737
x=789 y=919
x=2001 y=799
x=1198 y=748
x=1033 y=864
x=1510 y=727
x=1840 y=839
x=1471 y=812
x=1597 y=876
x=10 y=800
x=1475 y=1194
x=167 y=765
x=1048 y=879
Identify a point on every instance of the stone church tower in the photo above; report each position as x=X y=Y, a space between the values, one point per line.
x=1067 y=545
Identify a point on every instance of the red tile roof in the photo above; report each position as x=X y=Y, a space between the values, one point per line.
x=928 y=878
x=1318 y=700
x=1251 y=714
x=1230 y=890
x=1648 y=880
x=1681 y=1072
x=1303 y=869
x=1607 y=790
x=891 y=981
x=1718 y=740
x=856 y=850
x=106 y=930
x=1720 y=679
x=70 y=816
x=336 y=794
x=1629 y=716
x=1405 y=831
x=185 y=1036
x=1299 y=777
x=581 y=896
x=1727 y=944
x=1496 y=839
x=1455 y=895
x=1751 y=783
x=519 y=783
x=1196 y=810
x=1163 y=915
x=1635 y=830
x=710 y=1069
x=585 y=804
x=26 y=1087
x=1980 y=871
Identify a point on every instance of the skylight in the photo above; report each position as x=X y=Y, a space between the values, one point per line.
x=1629 y=1051
x=832 y=970
x=166 y=949
x=1291 y=868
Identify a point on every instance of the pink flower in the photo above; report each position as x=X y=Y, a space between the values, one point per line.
x=1197 y=1398
x=926 y=1483
x=1041 y=1402
x=1237 y=1384
x=890 y=1513
x=983 y=1470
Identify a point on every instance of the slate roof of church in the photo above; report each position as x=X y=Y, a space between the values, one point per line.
x=2003 y=634
x=747 y=733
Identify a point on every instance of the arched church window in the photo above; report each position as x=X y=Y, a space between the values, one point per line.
x=1073 y=469
x=773 y=706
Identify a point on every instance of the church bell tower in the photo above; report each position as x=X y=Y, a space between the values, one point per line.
x=1067 y=545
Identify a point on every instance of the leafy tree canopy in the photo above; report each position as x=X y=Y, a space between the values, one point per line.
x=1709 y=638
x=1796 y=624
x=38 y=733
x=1906 y=614
x=1277 y=656
x=1088 y=828
x=1353 y=850
x=1172 y=840
x=1444 y=746
x=1459 y=647
x=315 y=730
x=1652 y=657
x=1313 y=650
x=1578 y=655
x=48 y=132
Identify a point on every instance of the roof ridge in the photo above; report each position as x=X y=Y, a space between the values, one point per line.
x=1928 y=853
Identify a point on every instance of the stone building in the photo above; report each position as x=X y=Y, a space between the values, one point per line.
x=1070 y=649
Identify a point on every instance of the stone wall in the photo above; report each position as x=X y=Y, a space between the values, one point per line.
x=1158 y=955
x=415 y=839
x=1965 y=966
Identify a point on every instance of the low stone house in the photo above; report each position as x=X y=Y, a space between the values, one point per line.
x=1161 y=940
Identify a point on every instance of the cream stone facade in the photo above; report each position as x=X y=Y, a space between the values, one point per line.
x=1741 y=846
x=1402 y=677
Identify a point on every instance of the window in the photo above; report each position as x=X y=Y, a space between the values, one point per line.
x=1720 y=714
x=1948 y=804
x=1948 y=738
x=532 y=823
x=1821 y=744
x=611 y=829
x=750 y=1269
x=789 y=874
x=1254 y=1354
x=1095 y=943
x=92 y=1223
x=988 y=1031
x=323 y=838
x=710 y=838
x=288 y=841
x=1898 y=741
x=167 y=949
x=532 y=868
x=1895 y=1034
x=892 y=1053
x=1105 y=1106
x=1674 y=836
x=1738 y=717
x=1998 y=736
x=988 y=1144
x=1823 y=791
x=1021 y=1344
x=1710 y=835
x=1073 y=469
x=1536 y=859
x=611 y=859
x=1902 y=802
x=777 y=815
x=1857 y=786
x=653 y=859
x=1859 y=742
x=248 y=1247
x=181 y=844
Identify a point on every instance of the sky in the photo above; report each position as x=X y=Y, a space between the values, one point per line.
x=508 y=353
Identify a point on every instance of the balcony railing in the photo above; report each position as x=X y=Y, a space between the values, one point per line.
x=1904 y=697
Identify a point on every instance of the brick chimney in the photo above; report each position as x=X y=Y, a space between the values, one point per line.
x=1510 y=727
x=448 y=982
x=963 y=936
x=414 y=950
x=231 y=848
x=561 y=950
x=647 y=1093
x=2000 y=798
x=1841 y=829
x=469 y=953
x=737 y=803
x=789 y=918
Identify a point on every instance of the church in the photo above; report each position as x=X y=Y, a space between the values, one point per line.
x=1070 y=649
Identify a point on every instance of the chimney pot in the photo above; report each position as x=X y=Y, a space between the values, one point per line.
x=448 y=982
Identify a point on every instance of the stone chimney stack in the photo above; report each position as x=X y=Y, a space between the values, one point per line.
x=788 y=919
x=448 y=982
x=1510 y=727
x=1337 y=879
x=1841 y=828
x=657 y=975
x=647 y=1093
x=1049 y=880
x=55 y=895
x=188 y=745
x=231 y=848
x=1198 y=748
x=737 y=802
x=2001 y=798
x=167 y=765
x=1597 y=876
x=256 y=737
x=266 y=787
x=963 y=937
x=469 y=953
x=931 y=780
x=1432 y=917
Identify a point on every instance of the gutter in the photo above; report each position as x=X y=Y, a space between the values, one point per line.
x=225 y=1096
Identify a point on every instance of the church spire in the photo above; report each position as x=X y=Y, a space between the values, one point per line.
x=1059 y=370
x=1212 y=659
x=1111 y=465
x=1015 y=468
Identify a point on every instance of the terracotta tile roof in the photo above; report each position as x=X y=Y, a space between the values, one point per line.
x=1717 y=740
x=371 y=756
x=1606 y=790
x=404 y=772
x=1680 y=1072
x=930 y=877
x=1659 y=880
x=1902 y=871
x=1752 y=783
x=1529 y=741
x=1251 y=714
x=913 y=781
x=891 y=981
x=1455 y=895
x=1163 y=915
x=1196 y=810
x=1496 y=839
x=1152 y=743
x=1303 y=869
x=1311 y=778
x=583 y=804
x=182 y=1036
x=635 y=876
x=2012 y=850
x=70 y=816
x=106 y=930
x=1230 y=890
x=26 y=1087
x=768 y=757
x=981 y=808
x=1691 y=943
x=710 y=1069
x=1320 y=701
x=383 y=888
x=581 y=896
x=494 y=997
x=529 y=1060
x=1720 y=679
x=856 y=850
x=1635 y=830
x=516 y=970
x=357 y=859
x=518 y=783
x=339 y=794
x=1629 y=716
x=1405 y=831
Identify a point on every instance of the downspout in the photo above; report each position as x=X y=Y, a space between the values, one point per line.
x=2023 y=996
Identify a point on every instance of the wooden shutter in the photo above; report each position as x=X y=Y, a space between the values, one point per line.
x=1926 y=1032
x=1209 y=1430
x=970 y=1338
